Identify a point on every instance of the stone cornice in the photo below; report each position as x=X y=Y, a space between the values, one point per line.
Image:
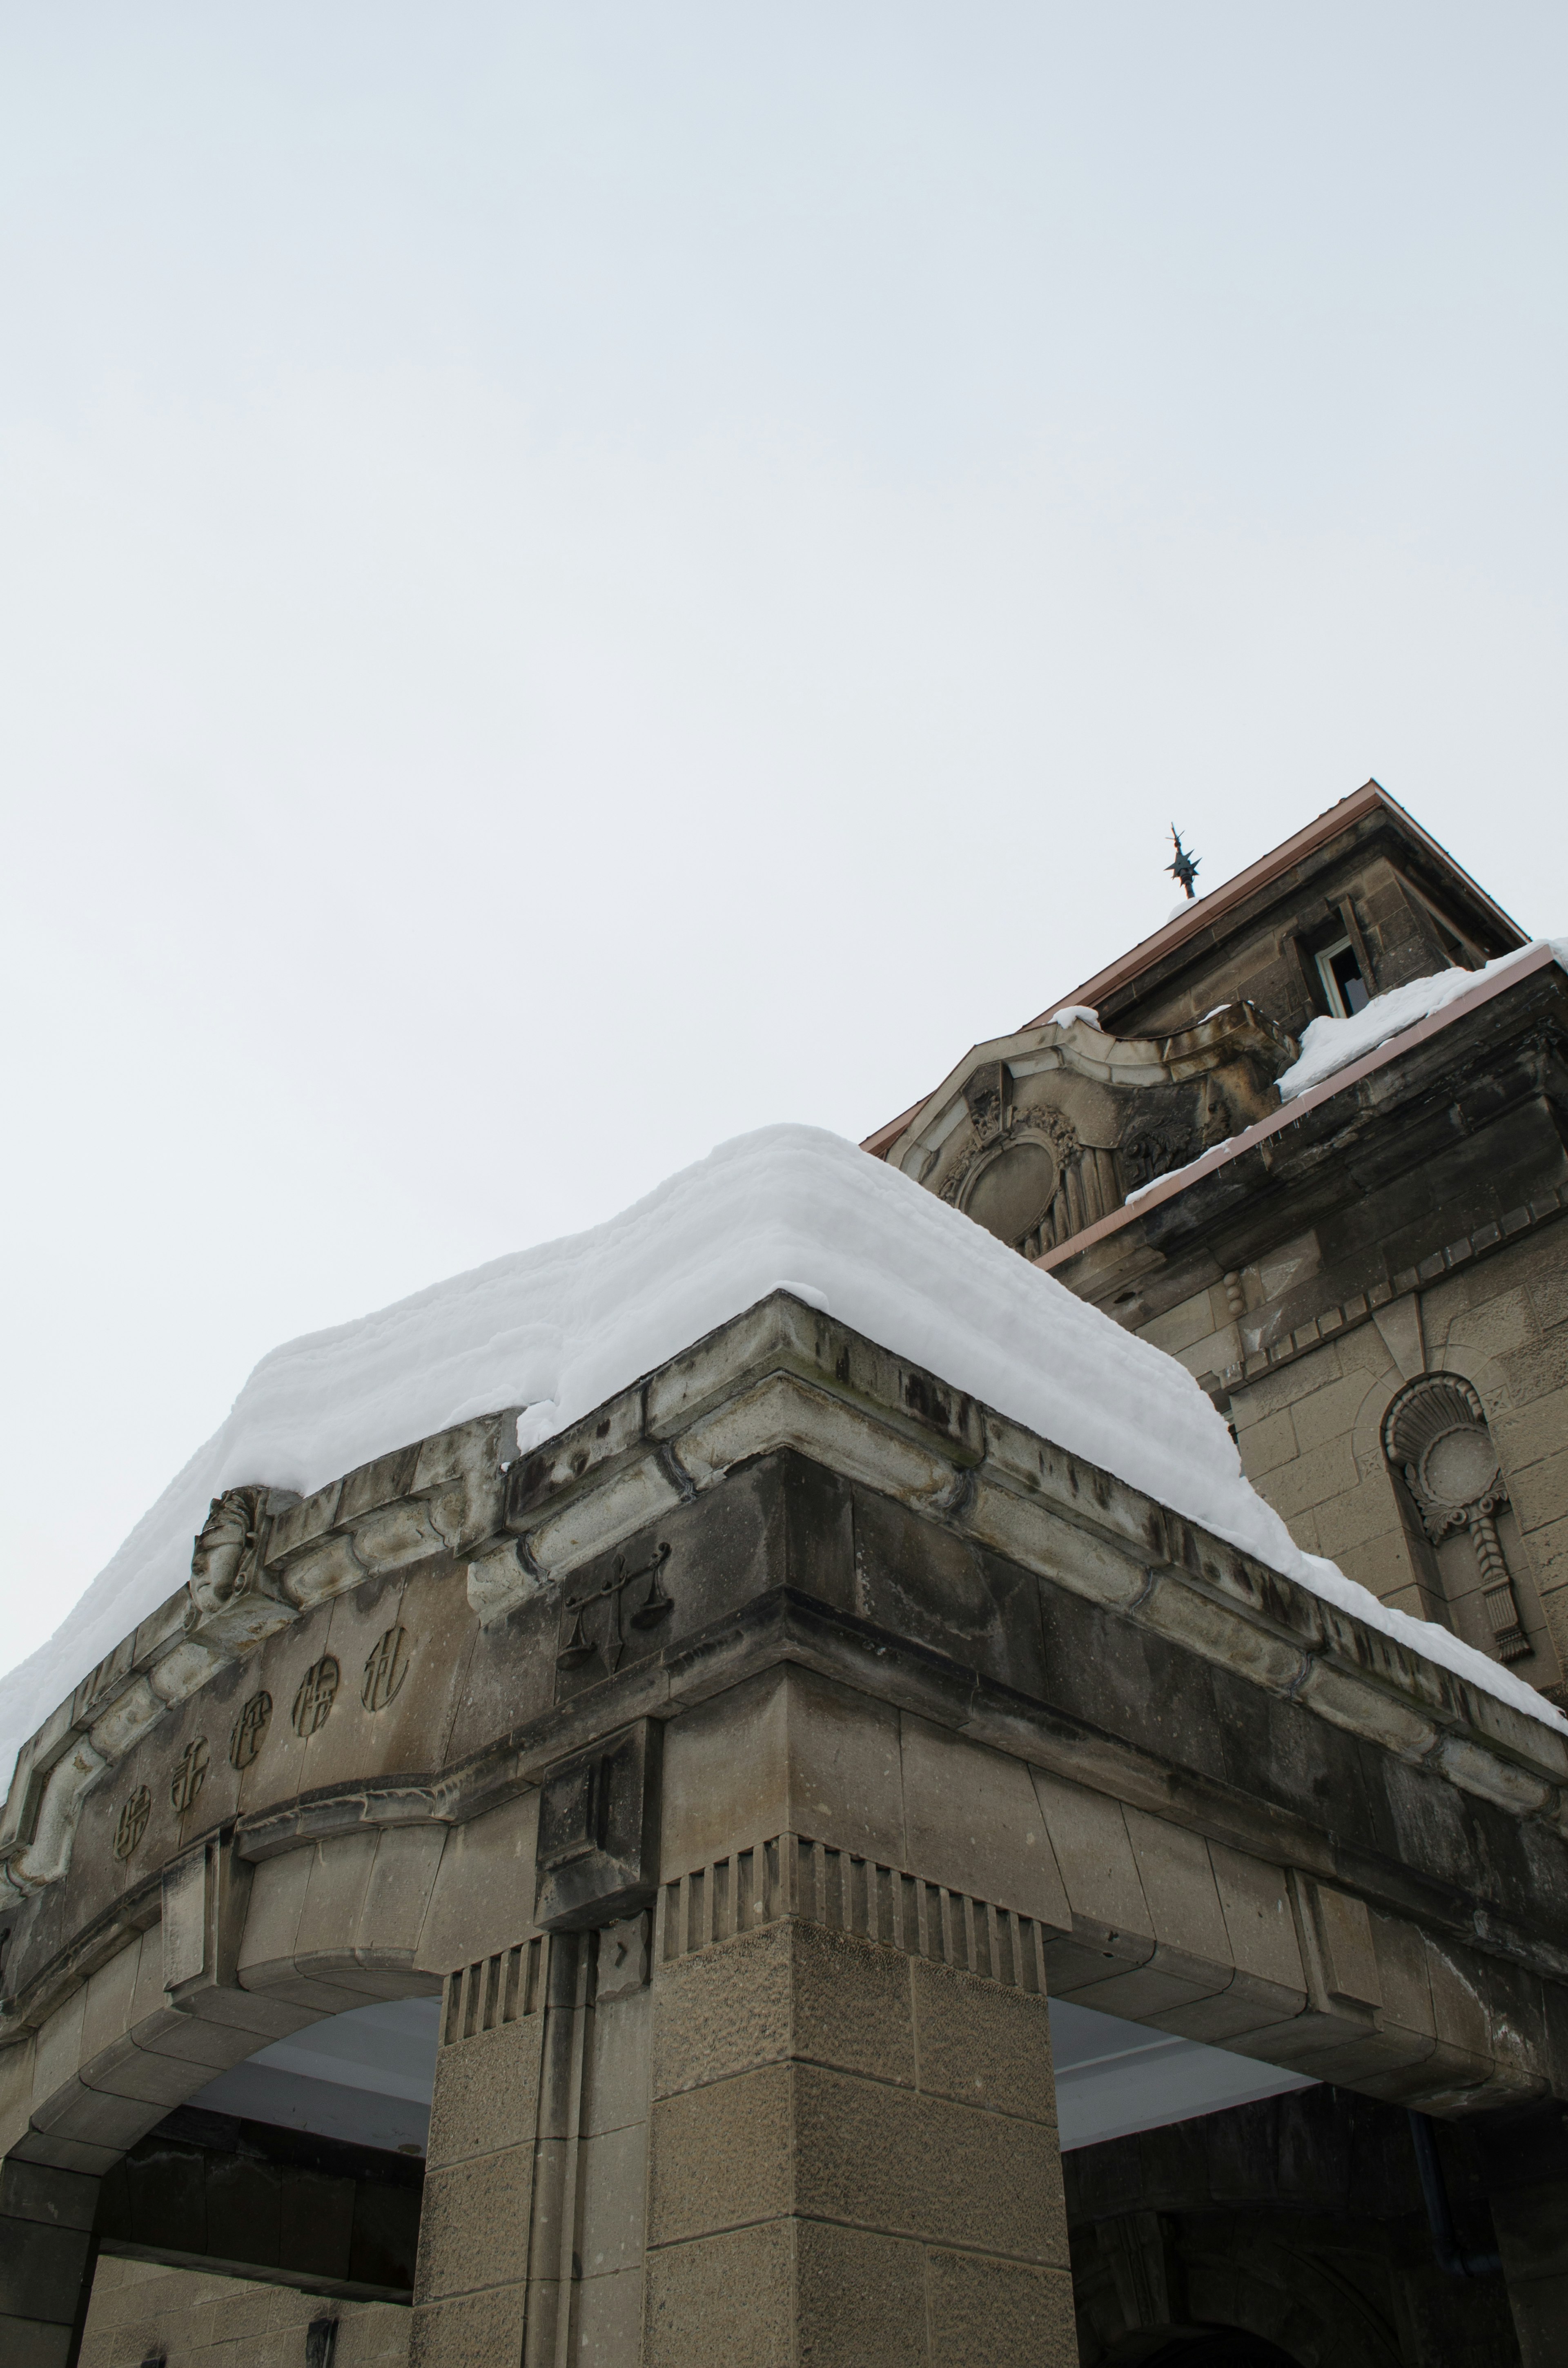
x=785 y=1376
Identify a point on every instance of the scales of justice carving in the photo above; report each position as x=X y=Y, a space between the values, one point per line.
x=1435 y=1434
x=656 y=1605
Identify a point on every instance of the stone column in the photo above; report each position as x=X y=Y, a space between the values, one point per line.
x=531 y=2238
x=47 y=2254
x=853 y=2153
x=471 y=2284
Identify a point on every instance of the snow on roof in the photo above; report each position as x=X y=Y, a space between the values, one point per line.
x=561 y=1327
x=1331 y=1044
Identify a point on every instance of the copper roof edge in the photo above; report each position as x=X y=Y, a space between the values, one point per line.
x=1341 y=815
x=1367 y=799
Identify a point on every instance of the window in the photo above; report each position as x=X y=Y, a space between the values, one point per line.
x=1342 y=981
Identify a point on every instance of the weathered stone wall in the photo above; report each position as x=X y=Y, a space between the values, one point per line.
x=743 y=1861
x=1311 y=1430
x=1398 y=937
x=141 y=2310
x=855 y=2144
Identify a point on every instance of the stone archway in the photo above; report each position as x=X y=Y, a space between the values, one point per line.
x=1186 y=2288
x=1225 y=2347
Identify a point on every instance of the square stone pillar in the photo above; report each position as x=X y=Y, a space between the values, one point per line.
x=47 y=2255
x=531 y=2237
x=476 y=2219
x=854 y=2160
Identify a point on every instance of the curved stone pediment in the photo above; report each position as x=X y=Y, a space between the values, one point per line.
x=1038 y=1134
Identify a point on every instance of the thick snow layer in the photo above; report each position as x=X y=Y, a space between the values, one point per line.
x=1071 y=1011
x=559 y=1328
x=1331 y=1044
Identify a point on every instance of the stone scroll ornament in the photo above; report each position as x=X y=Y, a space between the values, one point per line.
x=1007 y=1174
x=223 y=1563
x=1435 y=1433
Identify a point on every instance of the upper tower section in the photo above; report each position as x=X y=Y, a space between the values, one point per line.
x=1360 y=900
x=1177 y=1045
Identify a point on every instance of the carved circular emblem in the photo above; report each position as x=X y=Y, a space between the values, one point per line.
x=190 y=1773
x=384 y=1671
x=1435 y=1433
x=250 y=1730
x=318 y=1691
x=1010 y=1194
x=1459 y=1467
x=133 y=1816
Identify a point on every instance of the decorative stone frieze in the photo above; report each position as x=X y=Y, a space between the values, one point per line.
x=1050 y=1130
x=785 y=1377
x=262 y=1556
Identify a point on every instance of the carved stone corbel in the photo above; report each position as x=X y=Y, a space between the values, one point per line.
x=234 y=1601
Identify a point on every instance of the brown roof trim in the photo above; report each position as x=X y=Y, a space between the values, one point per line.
x=1392 y=1048
x=1369 y=799
x=881 y=1142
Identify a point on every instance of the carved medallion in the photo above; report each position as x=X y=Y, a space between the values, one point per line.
x=1012 y=1166
x=318 y=1691
x=132 y=1825
x=190 y=1773
x=250 y=1730
x=385 y=1671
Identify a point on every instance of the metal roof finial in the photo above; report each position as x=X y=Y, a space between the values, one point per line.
x=1184 y=868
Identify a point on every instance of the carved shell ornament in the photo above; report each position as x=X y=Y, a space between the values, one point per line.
x=1435 y=1433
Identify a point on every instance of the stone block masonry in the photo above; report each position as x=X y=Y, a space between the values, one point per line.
x=743 y=1917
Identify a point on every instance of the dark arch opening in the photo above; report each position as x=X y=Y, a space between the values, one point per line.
x=1220 y=2347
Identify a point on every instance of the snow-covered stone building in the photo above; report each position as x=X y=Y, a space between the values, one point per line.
x=766 y=1784
x=1308 y=1140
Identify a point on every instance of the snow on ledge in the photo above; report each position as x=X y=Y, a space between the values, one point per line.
x=561 y=1327
x=1331 y=1044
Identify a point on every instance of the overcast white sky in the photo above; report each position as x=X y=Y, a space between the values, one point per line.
x=576 y=579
